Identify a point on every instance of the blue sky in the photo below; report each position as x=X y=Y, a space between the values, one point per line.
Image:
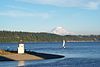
x=78 y=16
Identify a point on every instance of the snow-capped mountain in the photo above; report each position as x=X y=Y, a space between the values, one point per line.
x=60 y=31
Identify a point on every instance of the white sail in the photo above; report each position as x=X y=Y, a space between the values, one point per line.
x=63 y=43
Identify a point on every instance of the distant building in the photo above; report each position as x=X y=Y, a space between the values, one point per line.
x=21 y=47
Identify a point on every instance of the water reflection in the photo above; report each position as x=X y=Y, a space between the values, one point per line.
x=21 y=63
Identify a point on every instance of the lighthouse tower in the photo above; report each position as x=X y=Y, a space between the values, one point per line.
x=21 y=47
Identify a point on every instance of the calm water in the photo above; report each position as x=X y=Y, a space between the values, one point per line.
x=77 y=54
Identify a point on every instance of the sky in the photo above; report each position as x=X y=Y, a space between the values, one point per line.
x=78 y=16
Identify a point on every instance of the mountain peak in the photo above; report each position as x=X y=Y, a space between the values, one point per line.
x=61 y=31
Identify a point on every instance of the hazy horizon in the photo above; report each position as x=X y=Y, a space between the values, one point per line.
x=78 y=16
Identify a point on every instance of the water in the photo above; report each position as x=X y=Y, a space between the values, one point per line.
x=77 y=54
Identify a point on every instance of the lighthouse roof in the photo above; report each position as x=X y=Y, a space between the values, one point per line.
x=21 y=42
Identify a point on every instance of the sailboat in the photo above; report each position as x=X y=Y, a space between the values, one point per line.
x=63 y=43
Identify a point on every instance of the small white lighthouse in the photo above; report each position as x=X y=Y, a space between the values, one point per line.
x=21 y=47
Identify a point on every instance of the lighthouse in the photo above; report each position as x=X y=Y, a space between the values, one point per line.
x=21 y=47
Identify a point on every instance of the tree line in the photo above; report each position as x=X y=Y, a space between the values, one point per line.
x=14 y=36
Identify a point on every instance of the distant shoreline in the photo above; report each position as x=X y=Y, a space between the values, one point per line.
x=10 y=36
x=51 y=42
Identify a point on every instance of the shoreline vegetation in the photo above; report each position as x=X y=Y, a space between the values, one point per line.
x=14 y=36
